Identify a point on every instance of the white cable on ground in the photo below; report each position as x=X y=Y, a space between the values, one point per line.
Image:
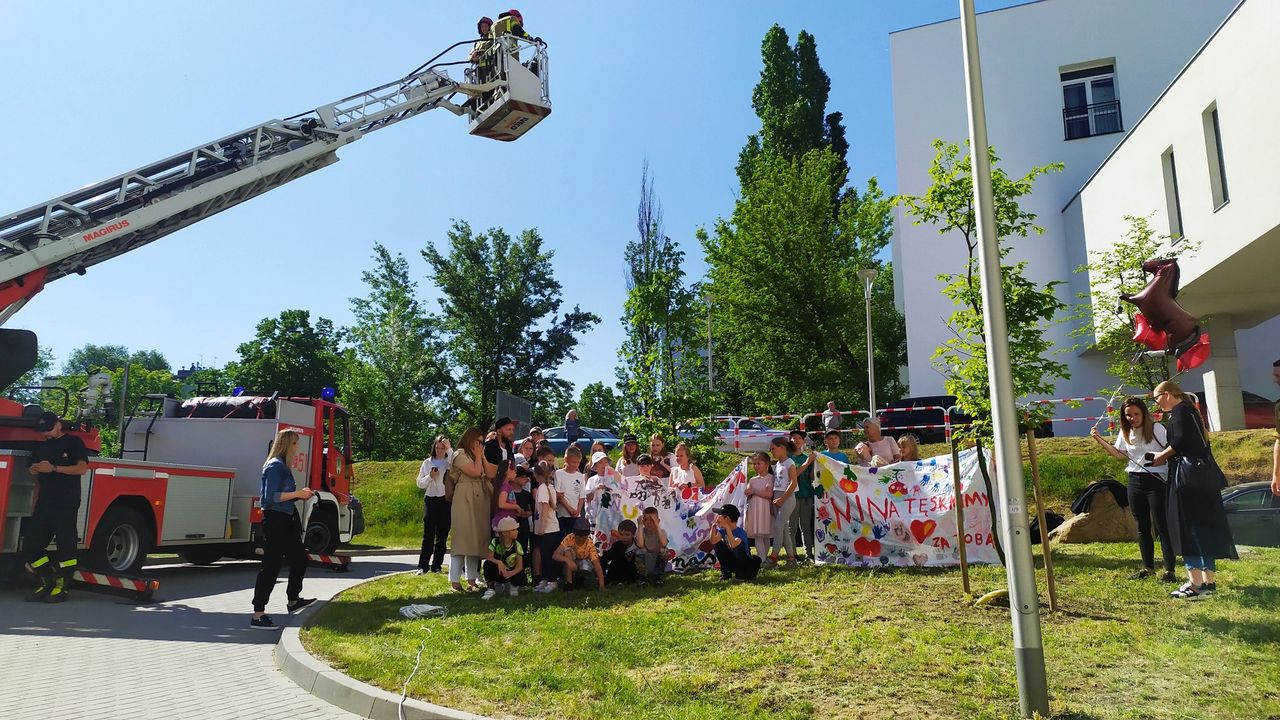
x=404 y=692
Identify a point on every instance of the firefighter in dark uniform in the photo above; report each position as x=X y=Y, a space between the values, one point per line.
x=58 y=463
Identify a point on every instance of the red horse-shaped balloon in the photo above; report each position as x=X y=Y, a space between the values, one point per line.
x=1161 y=323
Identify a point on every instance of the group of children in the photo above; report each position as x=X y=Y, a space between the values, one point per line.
x=541 y=528
x=542 y=535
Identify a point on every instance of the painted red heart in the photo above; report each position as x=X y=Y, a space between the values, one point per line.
x=866 y=548
x=922 y=529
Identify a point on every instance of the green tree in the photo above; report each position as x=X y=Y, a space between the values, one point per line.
x=289 y=355
x=91 y=358
x=661 y=373
x=599 y=407
x=1118 y=271
x=791 y=102
x=500 y=310
x=395 y=367
x=789 y=318
x=787 y=306
x=1029 y=308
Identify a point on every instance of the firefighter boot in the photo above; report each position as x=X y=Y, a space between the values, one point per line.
x=58 y=593
x=45 y=575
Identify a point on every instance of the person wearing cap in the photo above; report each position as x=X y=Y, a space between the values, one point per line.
x=537 y=436
x=601 y=478
x=58 y=463
x=578 y=556
x=730 y=542
x=499 y=453
x=504 y=565
x=626 y=466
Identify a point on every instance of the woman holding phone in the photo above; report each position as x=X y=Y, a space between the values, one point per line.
x=435 y=507
x=1140 y=439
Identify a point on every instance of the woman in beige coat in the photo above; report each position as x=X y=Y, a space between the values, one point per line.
x=470 y=509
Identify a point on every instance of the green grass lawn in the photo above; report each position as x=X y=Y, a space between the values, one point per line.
x=823 y=643
x=393 y=504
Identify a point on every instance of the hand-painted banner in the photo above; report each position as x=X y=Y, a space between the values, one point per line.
x=685 y=515
x=901 y=514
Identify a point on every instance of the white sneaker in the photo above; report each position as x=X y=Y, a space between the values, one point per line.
x=488 y=594
x=514 y=591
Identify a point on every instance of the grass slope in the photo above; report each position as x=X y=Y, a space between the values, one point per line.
x=823 y=643
x=393 y=504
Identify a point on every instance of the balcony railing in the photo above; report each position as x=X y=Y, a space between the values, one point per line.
x=1089 y=120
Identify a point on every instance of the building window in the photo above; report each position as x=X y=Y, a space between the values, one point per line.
x=1213 y=150
x=1171 y=194
x=1090 y=105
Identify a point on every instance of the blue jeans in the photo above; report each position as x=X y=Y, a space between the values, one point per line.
x=1199 y=562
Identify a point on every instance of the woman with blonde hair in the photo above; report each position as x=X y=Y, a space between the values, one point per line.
x=469 y=512
x=1197 y=522
x=1140 y=437
x=572 y=427
x=684 y=474
x=281 y=531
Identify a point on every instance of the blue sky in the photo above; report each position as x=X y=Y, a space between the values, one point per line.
x=97 y=89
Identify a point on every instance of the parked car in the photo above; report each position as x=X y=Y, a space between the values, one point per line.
x=1253 y=513
x=750 y=436
x=559 y=442
x=902 y=414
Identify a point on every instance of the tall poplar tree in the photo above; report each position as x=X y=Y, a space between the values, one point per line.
x=788 y=308
x=662 y=375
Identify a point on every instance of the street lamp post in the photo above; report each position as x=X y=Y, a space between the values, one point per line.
x=1024 y=603
x=869 y=276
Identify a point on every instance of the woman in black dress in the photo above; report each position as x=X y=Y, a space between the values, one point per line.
x=1197 y=522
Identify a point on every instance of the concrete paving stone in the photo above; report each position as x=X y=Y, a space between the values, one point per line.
x=189 y=654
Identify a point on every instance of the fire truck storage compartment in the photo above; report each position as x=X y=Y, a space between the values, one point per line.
x=191 y=508
x=240 y=444
x=17 y=496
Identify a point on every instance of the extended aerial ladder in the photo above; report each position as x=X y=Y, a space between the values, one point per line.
x=71 y=233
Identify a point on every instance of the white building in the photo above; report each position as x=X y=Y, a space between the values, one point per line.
x=1065 y=80
x=1203 y=162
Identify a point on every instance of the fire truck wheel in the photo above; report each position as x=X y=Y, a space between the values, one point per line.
x=322 y=531
x=121 y=542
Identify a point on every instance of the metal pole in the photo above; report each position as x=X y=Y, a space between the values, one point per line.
x=868 y=276
x=871 y=358
x=124 y=398
x=1045 y=551
x=959 y=496
x=1024 y=603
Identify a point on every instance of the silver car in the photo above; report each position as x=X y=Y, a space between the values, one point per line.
x=739 y=434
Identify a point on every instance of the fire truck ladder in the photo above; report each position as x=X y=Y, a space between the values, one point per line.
x=71 y=233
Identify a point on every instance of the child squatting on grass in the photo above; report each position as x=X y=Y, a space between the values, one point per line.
x=578 y=557
x=504 y=565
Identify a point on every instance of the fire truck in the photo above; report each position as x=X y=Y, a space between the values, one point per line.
x=188 y=476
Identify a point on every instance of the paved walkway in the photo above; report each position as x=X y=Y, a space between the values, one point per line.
x=189 y=654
